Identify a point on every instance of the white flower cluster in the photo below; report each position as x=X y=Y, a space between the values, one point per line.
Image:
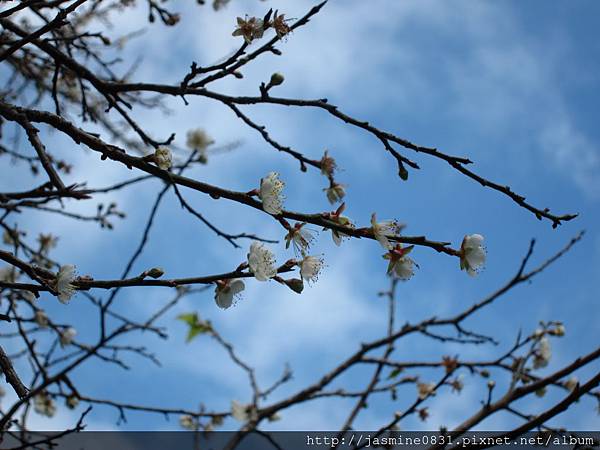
x=261 y=260
x=252 y=28
x=400 y=264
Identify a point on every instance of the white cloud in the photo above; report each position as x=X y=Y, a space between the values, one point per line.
x=573 y=155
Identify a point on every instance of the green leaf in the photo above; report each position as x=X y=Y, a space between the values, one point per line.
x=194 y=331
x=395 y=373
x=190 y=318
x=196 y=325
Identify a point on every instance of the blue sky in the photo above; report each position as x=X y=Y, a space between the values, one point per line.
x=511 y=85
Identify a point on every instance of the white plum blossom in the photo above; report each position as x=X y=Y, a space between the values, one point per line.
x=338 y=236
x=241 y=412
x=542 y=356
x=335 y=193
x=400 y=266
x=271 y=193
x=339 y=219
x=41 y=318
x=328 y=165
x=382 y=230
x=250 y=28
x=44 y=405
x=67 y=336
x=198 y=139
x=425 y=390
x=572 y=383
x=8 y=274
x=310 y=267
x=261 y=261
x=64 y=285
x=280 y=25
x=186 y=421
x=300 y=237
x=404 y=268
x=472 y=254
x=163 y=158
x=226 y=291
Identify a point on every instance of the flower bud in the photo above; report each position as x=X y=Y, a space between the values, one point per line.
x=72 y=401
x=540 y=392
x=155 y=272
x=403 y=173
x=276 y=79
x=295 y=284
